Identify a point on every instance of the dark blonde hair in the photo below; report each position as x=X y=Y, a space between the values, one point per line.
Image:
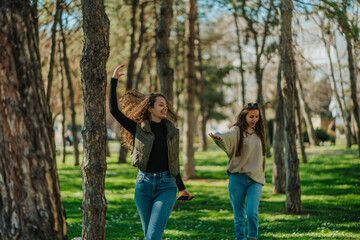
x=242 y=124
x=135 y=106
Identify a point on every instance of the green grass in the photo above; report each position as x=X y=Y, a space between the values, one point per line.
x=330 y=187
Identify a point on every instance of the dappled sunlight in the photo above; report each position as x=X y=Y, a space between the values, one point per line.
x=330 y=200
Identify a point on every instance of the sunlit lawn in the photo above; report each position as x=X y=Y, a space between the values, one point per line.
x=330 y=187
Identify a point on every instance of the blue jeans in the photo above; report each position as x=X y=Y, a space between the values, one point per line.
x=155 y=196
x=240 y=187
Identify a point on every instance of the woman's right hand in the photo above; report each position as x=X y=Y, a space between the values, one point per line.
x=116 y=73
x=215 y=137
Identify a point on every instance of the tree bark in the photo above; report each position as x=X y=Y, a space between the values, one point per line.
x=74 y=131
x=165 y=72
x=93 y=78
x=278 y=175
x=293 y=192
x=31 y=206
x=188 y=154
x=353 y=78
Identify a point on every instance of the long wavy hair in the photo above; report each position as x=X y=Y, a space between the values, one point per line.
x=242 y=124
x=135 y=106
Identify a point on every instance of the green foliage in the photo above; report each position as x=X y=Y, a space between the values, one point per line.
x=322 y=135
x=214 y=90
x=329 y=187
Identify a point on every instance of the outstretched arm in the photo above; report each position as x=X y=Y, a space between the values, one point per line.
x=126 y=122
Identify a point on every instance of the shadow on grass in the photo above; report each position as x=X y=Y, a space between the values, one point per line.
x=330 y=201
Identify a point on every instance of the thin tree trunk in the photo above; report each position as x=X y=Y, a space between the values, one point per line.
x=188 y=149
x=339 y=104
x=134 y=55
x=165 y=72
x=71 y=95
x=238 y=43
x=123 y=153
x=278 y=175
x=93 y=79
x=306 y=112
x=201 y=93
x=131 y=63
x=178 y=47
x=298 y=117
x=34 y=13
x=293 y=191
x=31 y=206
x=259 y=71
x=353 y=88
x=61 y=77
x=145 y=57
x=53 y=45
x=346 y=111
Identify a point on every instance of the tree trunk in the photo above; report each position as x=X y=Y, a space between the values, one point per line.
x=299 y=130
x=31 y=206
x=179 y=52
x=131 y=63
x=93 y=79
x=71 y=95
x=165 y=72
x=201 y=93
x=145 y=57
x=123 y=153
x=340 y=106
x=293 y=191
x=353 y=88
x=306 y=111
x=34 y=13
x=278 y=175
x=346 y=111
x=53 y=45
x=238 y=43
x=63 y=127
x=188 y=157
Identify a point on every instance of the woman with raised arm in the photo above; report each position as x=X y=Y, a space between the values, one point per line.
x=245 y=146
x=148 y=130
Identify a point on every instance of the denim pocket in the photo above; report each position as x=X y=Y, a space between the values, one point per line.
x=140 y=178
x=168 y=179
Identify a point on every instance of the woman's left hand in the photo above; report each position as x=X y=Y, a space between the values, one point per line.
x=184 y=193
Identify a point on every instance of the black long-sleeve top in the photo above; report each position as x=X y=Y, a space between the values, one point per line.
x=158 y=160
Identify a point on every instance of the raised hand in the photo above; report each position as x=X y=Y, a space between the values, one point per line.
x=116 y=73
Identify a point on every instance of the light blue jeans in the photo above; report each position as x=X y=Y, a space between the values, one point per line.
x=240 y=187
x=155 y=196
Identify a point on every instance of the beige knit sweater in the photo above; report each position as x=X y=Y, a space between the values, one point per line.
x=251 y=161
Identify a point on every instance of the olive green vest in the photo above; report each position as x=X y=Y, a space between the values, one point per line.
x=142 y=145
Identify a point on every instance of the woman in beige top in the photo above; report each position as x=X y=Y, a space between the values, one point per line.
x=244 y=144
